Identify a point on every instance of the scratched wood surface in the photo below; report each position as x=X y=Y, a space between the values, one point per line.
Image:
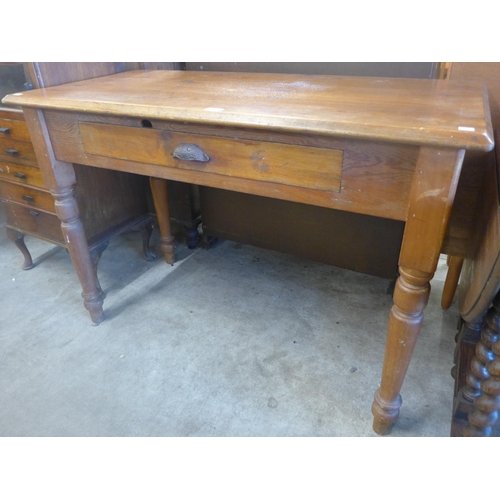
x=431 y=112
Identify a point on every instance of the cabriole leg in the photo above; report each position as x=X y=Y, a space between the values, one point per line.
x=18 y=239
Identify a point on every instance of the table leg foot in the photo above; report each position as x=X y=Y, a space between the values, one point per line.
x=93 y=304
x=76 y=241
x=167 y=246
x=159 y=190
x=192 y=236
x=385 y=413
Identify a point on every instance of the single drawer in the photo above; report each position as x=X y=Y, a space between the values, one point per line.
x=34 y=222
x=17 y=151
x=27 y=196
x=14 y=129
x=24 y=174
x=293 y=165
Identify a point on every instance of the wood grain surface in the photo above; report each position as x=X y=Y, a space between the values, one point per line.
x=310 y=167
x=414 y=111
x=14 y=129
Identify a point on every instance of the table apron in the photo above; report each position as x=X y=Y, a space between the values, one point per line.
x=352 y=175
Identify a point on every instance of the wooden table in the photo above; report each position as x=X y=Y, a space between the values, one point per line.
x=391 y=148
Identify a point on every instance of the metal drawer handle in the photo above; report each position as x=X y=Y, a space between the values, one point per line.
x=28 y=198
x=34 y=213
x=12 y=151
x=189 y=152
x=4 y=130
x=20 y=176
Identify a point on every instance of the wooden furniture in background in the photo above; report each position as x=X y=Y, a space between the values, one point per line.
x=487 y=73
x=18 y=169
x=477 y=356
x=28 y=206
x=110 y=202
x=463 y=225
x=394 y=149
x=482 y=388
x=452 y=278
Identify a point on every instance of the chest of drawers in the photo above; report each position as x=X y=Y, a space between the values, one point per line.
x=118 y=201
x=28 y=205
x=109 y=202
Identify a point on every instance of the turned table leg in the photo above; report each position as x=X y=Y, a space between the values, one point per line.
x=160 y=199
x=405 y=320
x=74 y=236
x=60 y=178
x=431 y=198
x=452 y=277
x=192 y=236
x=18 y=239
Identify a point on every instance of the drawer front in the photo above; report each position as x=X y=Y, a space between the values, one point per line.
x=23 y=174
x=292 y=165
x=33 y=222
x=17 y=151
x=14 y=129
x=27 y=196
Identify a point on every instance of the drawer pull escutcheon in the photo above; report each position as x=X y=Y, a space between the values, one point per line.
x=20 y=176
x=28 y=198
x=5 y=130
x=12 y=151
x=189 y=152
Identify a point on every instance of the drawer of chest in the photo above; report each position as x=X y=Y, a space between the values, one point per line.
x=292 y=165
x=17 y=151
x=14 y=129
x=24 y=174
x=34 y=222
x=27 y=195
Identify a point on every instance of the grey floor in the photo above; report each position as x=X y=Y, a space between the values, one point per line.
x=231 y=341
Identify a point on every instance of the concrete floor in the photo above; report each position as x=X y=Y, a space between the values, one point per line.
x=233 y=341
